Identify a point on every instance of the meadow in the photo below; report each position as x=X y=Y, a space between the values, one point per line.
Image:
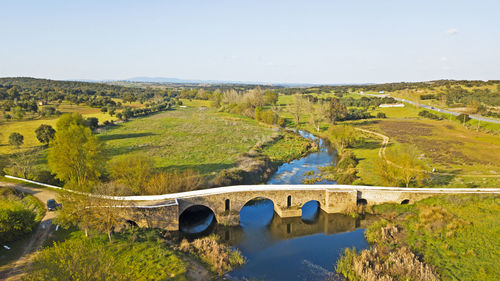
x=454 y=234
x=462 y=155
x=197 y=138
x=27 y=127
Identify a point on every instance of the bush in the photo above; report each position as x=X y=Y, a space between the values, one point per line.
x=220 y=257
x=18 y=216
x=228 y=177
x=430 y=115
x=463 y=118
x=80 y=258
x=48 y=178
x=381 y=115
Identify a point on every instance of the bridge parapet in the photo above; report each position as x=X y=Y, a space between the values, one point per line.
x=226 y=202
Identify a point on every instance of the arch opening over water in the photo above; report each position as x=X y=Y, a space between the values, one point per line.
x=310 y=211
x=197 y=219
x=257 y=212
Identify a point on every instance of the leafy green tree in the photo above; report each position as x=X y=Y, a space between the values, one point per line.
x=464 y=118
x=342 y=137
x=16 y=139
x=132 y=171
x=402 y=167
x=336 y=111
x=75 y=155
x=78 y=211
x=296 y=108
x=271 y=97
x=45 y=133
x=92 y=122
x=23 y=164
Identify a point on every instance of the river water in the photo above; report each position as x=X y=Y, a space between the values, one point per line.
x=302 y=248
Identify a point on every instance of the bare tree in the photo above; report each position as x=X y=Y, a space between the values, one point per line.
x=317 y=114
x=296 y=108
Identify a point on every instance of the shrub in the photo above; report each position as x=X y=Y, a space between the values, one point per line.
x=430 y=115
x=229 y=177
x=381 y=115
x=220 y=257
x=94 y=259
x=18 y=216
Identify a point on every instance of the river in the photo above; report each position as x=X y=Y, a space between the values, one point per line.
x=302 y=248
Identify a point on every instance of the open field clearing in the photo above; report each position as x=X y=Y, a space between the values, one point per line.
x=461 y=157
x=27 y=127
x=454 y=234
x=187 y=138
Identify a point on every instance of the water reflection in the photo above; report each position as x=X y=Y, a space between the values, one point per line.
x=310 y=211
x=197 y=220
x=257 y=213
x=290 y=248
x=295 y=171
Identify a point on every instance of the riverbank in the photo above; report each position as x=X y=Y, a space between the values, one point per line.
x=452 y=237
x=263 y=160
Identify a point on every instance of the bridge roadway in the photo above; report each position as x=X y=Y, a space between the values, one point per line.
x=164 y=211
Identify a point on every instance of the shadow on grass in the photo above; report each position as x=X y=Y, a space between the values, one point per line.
x=440 y=180
x=201 y=168
x=367 y=122
x=367 y=145
x=124 y=136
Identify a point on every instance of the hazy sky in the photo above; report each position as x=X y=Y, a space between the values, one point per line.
x=349 y=41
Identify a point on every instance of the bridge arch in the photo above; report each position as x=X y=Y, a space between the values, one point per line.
x=197 y=219
x=310 y=211
x=258 y=211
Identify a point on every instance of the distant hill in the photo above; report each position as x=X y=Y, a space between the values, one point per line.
x=188 y=81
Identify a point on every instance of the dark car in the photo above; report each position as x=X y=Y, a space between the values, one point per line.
x=52 y=205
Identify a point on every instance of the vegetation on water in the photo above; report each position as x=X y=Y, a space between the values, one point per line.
x=19 y=214
x=135 y=254
x=454 y=235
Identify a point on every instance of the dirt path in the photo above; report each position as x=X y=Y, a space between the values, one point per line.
x=385 y=142
x=16 y=269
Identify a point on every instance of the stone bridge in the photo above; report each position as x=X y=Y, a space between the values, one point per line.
x=164 y=211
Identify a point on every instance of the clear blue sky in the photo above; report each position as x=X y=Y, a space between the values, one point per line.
x=276 y=41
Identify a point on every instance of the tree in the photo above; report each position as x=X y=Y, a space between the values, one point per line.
x=45 y=133
x=464 y=118
x=23 y=164
x=107 y=213
x=16 y=139
x=342 y=137
x=402 y=167
x=336 y=111
x=75 y=155
x=132 y=171
x=78 y=211
x=296 y=108
x=317 y=114
x=271 y=97
x=92 y=123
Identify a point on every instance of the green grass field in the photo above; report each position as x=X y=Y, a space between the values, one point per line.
x=134 y=255
x=27 y=127
x=457 y=235
x=201 y=139
x=444 y=145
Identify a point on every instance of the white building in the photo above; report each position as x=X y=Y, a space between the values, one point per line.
x=392 y=105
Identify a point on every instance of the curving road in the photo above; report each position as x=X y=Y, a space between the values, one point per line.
x=476 y=117
x=16 y=269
